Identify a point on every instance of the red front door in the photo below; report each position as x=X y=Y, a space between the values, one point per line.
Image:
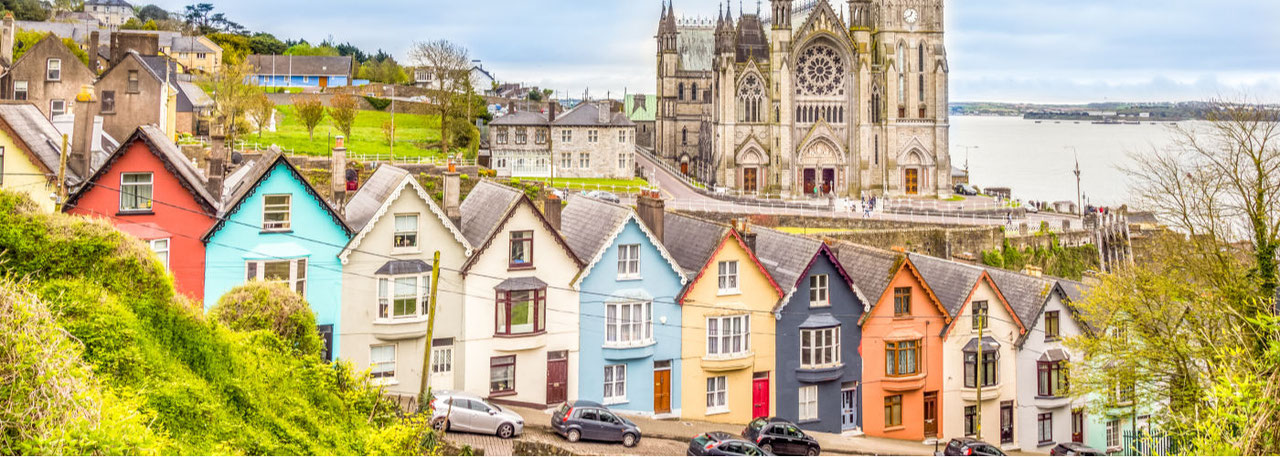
x=760 y=395
x=557 y=377
x=1077 y=425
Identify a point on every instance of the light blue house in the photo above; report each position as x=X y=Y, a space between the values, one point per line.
x=273 y=226
x=301 y=71
x=629 y=320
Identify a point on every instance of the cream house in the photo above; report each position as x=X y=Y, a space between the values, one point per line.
x=521 y=326
x=387 y=268
x=979 y=394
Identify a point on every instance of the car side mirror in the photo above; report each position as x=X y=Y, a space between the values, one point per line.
x=493 y=413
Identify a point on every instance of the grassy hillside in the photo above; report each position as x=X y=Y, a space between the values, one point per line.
x=413 y=131
x=98 y=356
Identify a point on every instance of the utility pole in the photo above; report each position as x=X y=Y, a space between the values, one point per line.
x=982 y=323
x=425 y=386
x=393 y=122
x=62 y=175
x=1079 y=195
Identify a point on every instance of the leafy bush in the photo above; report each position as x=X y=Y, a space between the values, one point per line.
x=377 y=103
x=270 y=306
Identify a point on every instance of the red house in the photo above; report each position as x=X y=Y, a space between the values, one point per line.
x=149 y=189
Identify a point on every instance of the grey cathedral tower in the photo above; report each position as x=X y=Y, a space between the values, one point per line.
x=810 y=100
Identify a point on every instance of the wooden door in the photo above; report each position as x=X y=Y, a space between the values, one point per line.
x=810 y=180
x=684 y=168
x=1006 y=422
x=912 y=184
x=930 y=414
x=749 y=179
x=828 y=180
x=324 y=81
x=661 y=391
x=1077 y=425
x=557 y=377
x=760 y=395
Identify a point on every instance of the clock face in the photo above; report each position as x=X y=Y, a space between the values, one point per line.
x=910 y=15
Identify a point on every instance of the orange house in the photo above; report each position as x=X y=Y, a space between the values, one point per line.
x=901 y=347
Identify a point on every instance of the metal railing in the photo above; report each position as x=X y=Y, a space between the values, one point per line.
x=849 y=209
x=671 y=170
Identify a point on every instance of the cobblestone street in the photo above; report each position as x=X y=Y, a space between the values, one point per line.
x=493 y=445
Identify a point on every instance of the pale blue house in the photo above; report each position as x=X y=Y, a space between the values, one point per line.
x=301 y=71
x=273 y=226
x=629 y=320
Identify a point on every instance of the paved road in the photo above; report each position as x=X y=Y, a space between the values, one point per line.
x=680 y=196
x=493 y=445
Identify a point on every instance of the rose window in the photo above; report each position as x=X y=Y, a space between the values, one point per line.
x=820 y=71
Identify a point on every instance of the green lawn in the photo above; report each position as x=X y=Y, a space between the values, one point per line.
x=591 y=183
x=366 y=134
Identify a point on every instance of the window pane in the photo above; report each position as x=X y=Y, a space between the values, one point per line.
x=522 y=312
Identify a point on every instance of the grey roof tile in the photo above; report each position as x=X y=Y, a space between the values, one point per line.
x=301 y=65
x=871 y=269
x=691 y=241
x=1027 y=295
x=38 y=133
x=484 y=208
x=586 y=224
x=521 y=118
x=372 y=195
x=950 y=281
x=785 y=256
x=587 y=114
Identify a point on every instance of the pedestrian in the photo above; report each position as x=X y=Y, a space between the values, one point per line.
x=1008 y=218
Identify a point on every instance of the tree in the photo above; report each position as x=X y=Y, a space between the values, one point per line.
x=201 y=18
x=26 y=10
x=132 y=24
x=260 y=110
x=305 y=49
x=271 y=306
x=449 y=65
x=232 y=96
x=534 y=95
x=25 y=39
x=384 y=70
x=234 y=47
x=153 y=13
x=67 y=5
x=310 y=111
x=266 y=44
x=343 y=109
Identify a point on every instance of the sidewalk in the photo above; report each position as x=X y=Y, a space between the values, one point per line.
x=683 y=431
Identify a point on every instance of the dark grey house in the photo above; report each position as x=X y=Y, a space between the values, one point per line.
x=819 y=369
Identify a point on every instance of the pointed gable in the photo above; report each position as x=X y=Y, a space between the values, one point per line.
x=789 y=258
x=733 y=237
x=254 y=176
x=488 y=207
x=376 y=196
x=591 y=226
x=874 y=269
x=175 y=162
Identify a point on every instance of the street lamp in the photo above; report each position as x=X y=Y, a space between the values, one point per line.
x=966 y=158
x=1079 y=195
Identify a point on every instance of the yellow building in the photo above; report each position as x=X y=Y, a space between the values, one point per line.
x=29 y=154
x=196 y=54
x=728 y=336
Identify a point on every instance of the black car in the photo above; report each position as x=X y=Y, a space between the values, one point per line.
x=965 y=189
x=779 y=436
x=583 y=419
x=1074 y=449
x=721 y=443
x=970 y=446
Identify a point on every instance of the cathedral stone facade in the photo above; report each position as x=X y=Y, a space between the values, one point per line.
x=816 y=99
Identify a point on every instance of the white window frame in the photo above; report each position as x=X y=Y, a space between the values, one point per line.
x=566 y=136
x=162 y=253
x=808 y=403
x=819 y=347
x=566 y=160
x=283 y=226
x=21 y=87
x=1113 y=434
x=593 y=135
x=256 y=270
x=55 y=112
x=628 y=261
x=622 y=136
x=727 y=280
x=620 y=320
x=819 y=291
x=717 y=395
x=584 y=160
x=382 y=371
x=615 y=384
x=728 y=337
x=388 y=295
x=442 y=360
x=53 y=69
x=395 y=238
x=149 y=185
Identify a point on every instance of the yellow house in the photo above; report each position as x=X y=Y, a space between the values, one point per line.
x=196 y=54
x=29 y=158
x=728 y=335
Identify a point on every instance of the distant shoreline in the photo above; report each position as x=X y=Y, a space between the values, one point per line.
x=1108 y=113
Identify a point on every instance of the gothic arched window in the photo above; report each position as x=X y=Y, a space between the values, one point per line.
x=920 y=69
x=875 y=105
x=750 y=97
x=693 y=93
x=680 y=91
x=684 y=136
x=820 y=71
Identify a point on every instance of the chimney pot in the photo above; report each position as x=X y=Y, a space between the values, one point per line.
x=551 y=209
x=81 y=160
x=652 y=212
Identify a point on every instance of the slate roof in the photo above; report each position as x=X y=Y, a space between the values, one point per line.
x=484 y=209
x=950 y=281
x=403 y=267
x=786 y=256
x=691 y=241
x=588 y=114
x=696 y=47
x=521 y=118
x=366 y=202
x=235 y=193
x=301 y=65
x=1075 y=290
x=586 y=224
x=191 y=177
x=525 y=283
x=188 y=44
x=1027 y=295
x=194 y=94
x=871 y=269
x=40 y=138
x=641 y=107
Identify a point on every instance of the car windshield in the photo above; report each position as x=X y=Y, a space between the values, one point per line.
x=756 y=424
x=564 y=409
x=702 y=440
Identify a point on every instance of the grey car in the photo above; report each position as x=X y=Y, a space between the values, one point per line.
x=470 y=413
x=589 y=420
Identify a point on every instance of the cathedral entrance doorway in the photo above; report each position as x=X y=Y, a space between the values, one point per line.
x=684 y=167
x=750 y=179
x=818 y=180
x=912 y=181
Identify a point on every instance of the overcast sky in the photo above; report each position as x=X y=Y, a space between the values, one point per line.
x=999 y=50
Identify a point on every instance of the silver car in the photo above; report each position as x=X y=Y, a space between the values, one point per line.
x=462 y=411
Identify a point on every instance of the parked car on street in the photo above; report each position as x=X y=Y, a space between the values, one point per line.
x=603 y=195
x=779 y=436
x=1073 y=448
x=469 y=413
x=721 y=443
x=969 y=446
x=965 y=189
x=582 y=419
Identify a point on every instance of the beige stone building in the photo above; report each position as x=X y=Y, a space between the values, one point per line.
x=589 y=141
x=195 y=54
x=817 y=98
x=110 y=13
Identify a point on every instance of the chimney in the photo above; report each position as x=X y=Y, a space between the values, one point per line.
x=652 y=211
x=81 y=160
x=603 y=111
x=452 y=189
x=551 y=208
x=551 y=111
x=216 y=173
x=748 y=236
x=7 y=37
x=338 y=181
x=94 y=42
x=1033 y=271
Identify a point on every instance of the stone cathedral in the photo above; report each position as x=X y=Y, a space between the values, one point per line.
x=814 y=99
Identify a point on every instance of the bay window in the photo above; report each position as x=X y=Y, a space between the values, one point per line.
x=728 y=336
x=521 y=312
x=1052 y=379
x=902 y=358
x=628 y=324
x=989 y=377
x=819 y=347
x=403 y=297
x=291 y=272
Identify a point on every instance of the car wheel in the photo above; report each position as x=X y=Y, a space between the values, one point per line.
x=505 y=431
x=440 y=424
x=574 y=435
x=628 y=440
x=811 y=451
x=767 y=448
